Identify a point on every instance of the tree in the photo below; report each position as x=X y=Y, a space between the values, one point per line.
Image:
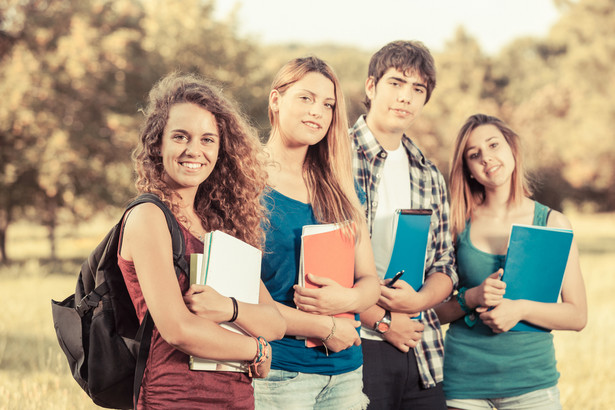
x=61 y=148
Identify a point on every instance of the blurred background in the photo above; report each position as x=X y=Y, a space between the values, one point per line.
x=74 y=74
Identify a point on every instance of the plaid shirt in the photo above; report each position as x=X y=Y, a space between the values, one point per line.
x=427 y=190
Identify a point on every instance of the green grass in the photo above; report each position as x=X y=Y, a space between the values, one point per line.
x=34 y=373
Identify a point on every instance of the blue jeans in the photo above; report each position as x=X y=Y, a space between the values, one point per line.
x=293 y=390
x=543 y=399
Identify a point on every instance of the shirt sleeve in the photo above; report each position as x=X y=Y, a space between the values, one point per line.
x=444 y=259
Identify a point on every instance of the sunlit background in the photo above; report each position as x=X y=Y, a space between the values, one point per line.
x=74 y=73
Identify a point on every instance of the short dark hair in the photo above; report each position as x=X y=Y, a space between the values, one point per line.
x=405 y=56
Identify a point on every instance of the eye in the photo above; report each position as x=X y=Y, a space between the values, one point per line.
x=494 y=145
x=419 y=90
x=473 y=155
x=305 y=98
x=179 y=137
x=330 y=106
x=394 y=83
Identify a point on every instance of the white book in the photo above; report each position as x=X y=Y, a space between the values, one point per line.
x=233 y=268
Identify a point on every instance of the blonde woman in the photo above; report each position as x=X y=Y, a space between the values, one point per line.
x=485 y=366
x=310 y=182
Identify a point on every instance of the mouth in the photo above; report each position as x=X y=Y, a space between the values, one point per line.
x=191 y=165
x=312 y=125
x=492 y=169
x=399 y=111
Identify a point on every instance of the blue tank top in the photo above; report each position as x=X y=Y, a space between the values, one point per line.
x=480 y=364
x=279 y=272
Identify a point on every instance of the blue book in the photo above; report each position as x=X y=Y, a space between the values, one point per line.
x=411 y=232
x=535 y=264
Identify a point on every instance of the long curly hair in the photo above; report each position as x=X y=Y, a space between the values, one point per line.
x=327 y=169
x=466 y=192
x=229 y=199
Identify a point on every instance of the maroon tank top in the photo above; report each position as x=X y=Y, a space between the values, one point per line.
x=168 y=381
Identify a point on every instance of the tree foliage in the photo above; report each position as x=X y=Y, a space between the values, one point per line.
x=74 y=73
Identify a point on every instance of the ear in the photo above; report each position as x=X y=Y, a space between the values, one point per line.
x=370 y=87
x=274 y=100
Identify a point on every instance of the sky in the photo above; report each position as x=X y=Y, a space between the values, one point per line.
x=370 y=24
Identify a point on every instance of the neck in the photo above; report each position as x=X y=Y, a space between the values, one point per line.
x=286 y=159
x=186 y=198
x=390 y=140
x=497 y=200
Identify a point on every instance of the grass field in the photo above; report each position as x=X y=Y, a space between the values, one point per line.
x=34 y=373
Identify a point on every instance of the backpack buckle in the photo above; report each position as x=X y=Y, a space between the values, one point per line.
x=91 y=300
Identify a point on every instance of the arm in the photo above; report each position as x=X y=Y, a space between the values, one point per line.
x=312 y=325
x=403 y=298
x=570 y=314
x=147 y=242
x=489 y=293
x=404 y=333
x=262 y=319
x=332 y=298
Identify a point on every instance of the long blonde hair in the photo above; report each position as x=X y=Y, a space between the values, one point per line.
x=327 y=168
x=466 y=192
x=229 y=199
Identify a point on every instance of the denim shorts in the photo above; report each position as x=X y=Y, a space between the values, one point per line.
x=282 y=389
x=543 y=399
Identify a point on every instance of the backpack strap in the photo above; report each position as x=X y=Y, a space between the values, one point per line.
x=179 y=246
x=144 y=334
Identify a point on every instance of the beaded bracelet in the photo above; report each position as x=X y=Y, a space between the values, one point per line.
x=326 y=339
x=470 y=317
x=262 y=354
x=235 y=310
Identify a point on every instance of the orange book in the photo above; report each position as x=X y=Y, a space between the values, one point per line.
x=326 y=252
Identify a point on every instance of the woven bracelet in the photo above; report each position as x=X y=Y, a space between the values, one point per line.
x=470 y=316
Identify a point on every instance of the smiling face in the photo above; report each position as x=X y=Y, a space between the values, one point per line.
x=190 y=145
x=489 y=157
x=395 y=102
x=305 y=110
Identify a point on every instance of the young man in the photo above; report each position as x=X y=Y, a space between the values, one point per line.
x=402 y=357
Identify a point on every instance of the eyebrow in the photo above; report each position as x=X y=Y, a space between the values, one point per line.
x=402 y=80
x=202 y=135
x=487 y=140
x=314 y=94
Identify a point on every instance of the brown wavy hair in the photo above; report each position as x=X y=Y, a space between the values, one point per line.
x=466 y=192
x=229 y=199
x=327 y=168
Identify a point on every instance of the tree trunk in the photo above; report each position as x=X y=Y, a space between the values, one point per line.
x=3 y=258
x=4 y=224
x=52 y=224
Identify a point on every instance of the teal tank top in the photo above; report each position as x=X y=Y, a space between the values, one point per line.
x=480 y=364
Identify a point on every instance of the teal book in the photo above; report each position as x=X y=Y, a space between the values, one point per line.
x=411 y=232
x=535 y=264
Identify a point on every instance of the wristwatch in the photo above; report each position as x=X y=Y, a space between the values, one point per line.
x=382 y=326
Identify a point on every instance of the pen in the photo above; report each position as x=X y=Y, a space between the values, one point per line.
x=395 y=278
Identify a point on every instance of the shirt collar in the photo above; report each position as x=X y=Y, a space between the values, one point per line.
x=367 y=142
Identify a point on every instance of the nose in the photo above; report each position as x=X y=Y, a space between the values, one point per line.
x=485 y=158
x=404 y=96
x=191 y=147
x=316 y=110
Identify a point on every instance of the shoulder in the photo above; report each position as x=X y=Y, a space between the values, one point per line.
x=558 y=220
x=145 y=217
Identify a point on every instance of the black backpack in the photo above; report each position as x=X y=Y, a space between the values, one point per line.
x=97 y=326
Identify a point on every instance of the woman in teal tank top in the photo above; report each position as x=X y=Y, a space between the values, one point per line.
x=485 y=365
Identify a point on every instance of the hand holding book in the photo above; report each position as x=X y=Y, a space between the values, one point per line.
x=206 y=302
x=328 y=297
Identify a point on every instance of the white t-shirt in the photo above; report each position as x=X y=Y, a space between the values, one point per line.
x=393 y=194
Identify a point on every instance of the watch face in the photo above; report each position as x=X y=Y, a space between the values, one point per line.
x=383 y=327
